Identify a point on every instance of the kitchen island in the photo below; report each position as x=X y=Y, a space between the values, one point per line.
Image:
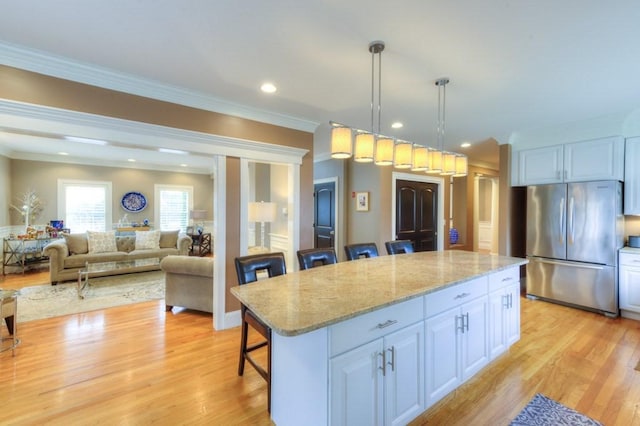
x=379 y=340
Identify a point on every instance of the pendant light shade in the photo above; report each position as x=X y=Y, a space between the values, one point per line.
x=461 y=165
x=341 y=142
x=435 y=161
x=365 y=145
x=384 y=151
x=403 y=155
x=420 y=161
x=448 y=164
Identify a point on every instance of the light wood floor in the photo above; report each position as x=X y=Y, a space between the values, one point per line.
x=137 y=365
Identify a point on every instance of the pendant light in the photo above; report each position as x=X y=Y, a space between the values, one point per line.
x=403 y=155
x=420 y=161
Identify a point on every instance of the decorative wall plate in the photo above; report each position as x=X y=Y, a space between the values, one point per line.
x=133 y=202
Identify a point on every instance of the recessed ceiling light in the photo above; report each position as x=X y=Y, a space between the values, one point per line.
x=131 y=160
x=268 y=88
x=86 y=140
x=397 y=125
x=465 y=145
x=172 y=151
x=63 y=153
x=183 y=165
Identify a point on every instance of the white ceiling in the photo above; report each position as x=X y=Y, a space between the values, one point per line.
x=513 y=65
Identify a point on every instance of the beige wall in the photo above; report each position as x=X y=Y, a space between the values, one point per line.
x=33 y=88
x=5 y=190
x=43 y=178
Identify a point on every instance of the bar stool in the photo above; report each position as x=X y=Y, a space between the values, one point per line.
x=246 y=269
x=399 y=246
x=311 y=258
x=356 y=251
x=9 y=312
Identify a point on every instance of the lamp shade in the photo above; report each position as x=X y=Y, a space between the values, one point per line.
x=461 y=165
x=420 y=159
x=448 y=164
x=262 y=212
x=384 y=151
x=198 y=214
x=341 y=146
x=403 y=156
x=435 y=161
x=365 y=144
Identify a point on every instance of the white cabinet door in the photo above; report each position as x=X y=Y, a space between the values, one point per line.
x=356 y=386
x=404 y=373
x=630 y=288
x=504 y=319
x=632 y=176
x=540 y=165
x=442 y=368
x=474 y=337
x=598 y=159
x=512 y=315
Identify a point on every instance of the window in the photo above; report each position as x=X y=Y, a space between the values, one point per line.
x=85 y=205
x=173 y=206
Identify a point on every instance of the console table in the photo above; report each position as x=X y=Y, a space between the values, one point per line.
x=8 y=312
x=24 y=252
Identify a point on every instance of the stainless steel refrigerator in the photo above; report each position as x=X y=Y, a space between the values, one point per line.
x=574 y=231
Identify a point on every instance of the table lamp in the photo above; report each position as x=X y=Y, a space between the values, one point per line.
x=198 y=217
x=262 y=212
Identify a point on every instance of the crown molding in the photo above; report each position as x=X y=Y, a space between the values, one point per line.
x=56 y=66
x=141 y=135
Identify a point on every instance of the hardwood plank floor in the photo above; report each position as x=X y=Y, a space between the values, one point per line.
x=137 y=364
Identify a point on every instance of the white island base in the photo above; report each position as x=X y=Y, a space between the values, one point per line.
x=390 y=365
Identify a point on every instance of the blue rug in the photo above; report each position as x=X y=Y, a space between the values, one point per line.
x=543 y=411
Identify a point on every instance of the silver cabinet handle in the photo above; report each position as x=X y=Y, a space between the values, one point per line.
x=386 y=324
x=393 y=358
x=461 y=326
x=462 y=295
x=505 y=301
x=507 y=279
x=383 y=354
x=465 y=323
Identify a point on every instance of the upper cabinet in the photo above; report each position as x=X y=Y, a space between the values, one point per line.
x=597 y=159
x=632 y=177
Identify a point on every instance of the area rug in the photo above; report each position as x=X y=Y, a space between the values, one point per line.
x=47 y=301
x=543 y=411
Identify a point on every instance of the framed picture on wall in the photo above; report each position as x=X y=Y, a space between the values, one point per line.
x=362 y=201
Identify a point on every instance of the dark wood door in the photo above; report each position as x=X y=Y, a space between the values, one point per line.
x=324 y=214
x=417 y=214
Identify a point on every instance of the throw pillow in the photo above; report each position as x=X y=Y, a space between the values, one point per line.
x=102 y=242
x=76 y=243
x=146 y=240
x=169 y=239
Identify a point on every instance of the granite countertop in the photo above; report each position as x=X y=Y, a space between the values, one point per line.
x=631 y=250
x=304 y=301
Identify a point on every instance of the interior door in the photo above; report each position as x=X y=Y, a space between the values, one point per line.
x=417 y=214
x=324 y=215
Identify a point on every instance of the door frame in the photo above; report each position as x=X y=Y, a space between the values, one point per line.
x=337 y=241
x=395 y=176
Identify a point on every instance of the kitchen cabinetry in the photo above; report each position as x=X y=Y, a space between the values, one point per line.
x=457 y=338
x=632 y=176
x=629 y=282
x=597 y=159
x=504 y=311
x=380 y=382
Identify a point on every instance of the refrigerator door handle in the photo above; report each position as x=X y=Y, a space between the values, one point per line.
x=572 y=264
x=562 y=231
x=570 y=218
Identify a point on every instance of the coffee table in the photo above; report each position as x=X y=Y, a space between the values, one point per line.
x=102 y=267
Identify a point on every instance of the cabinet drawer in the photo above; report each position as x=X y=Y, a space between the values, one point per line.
x=451 y=297
x=501 y=279
x=373 y=325
x=630 y=259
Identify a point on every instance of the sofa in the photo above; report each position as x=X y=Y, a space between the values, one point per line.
x=188 y=282
x=70 y=254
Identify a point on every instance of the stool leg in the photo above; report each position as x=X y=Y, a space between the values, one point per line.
x=243 y=343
